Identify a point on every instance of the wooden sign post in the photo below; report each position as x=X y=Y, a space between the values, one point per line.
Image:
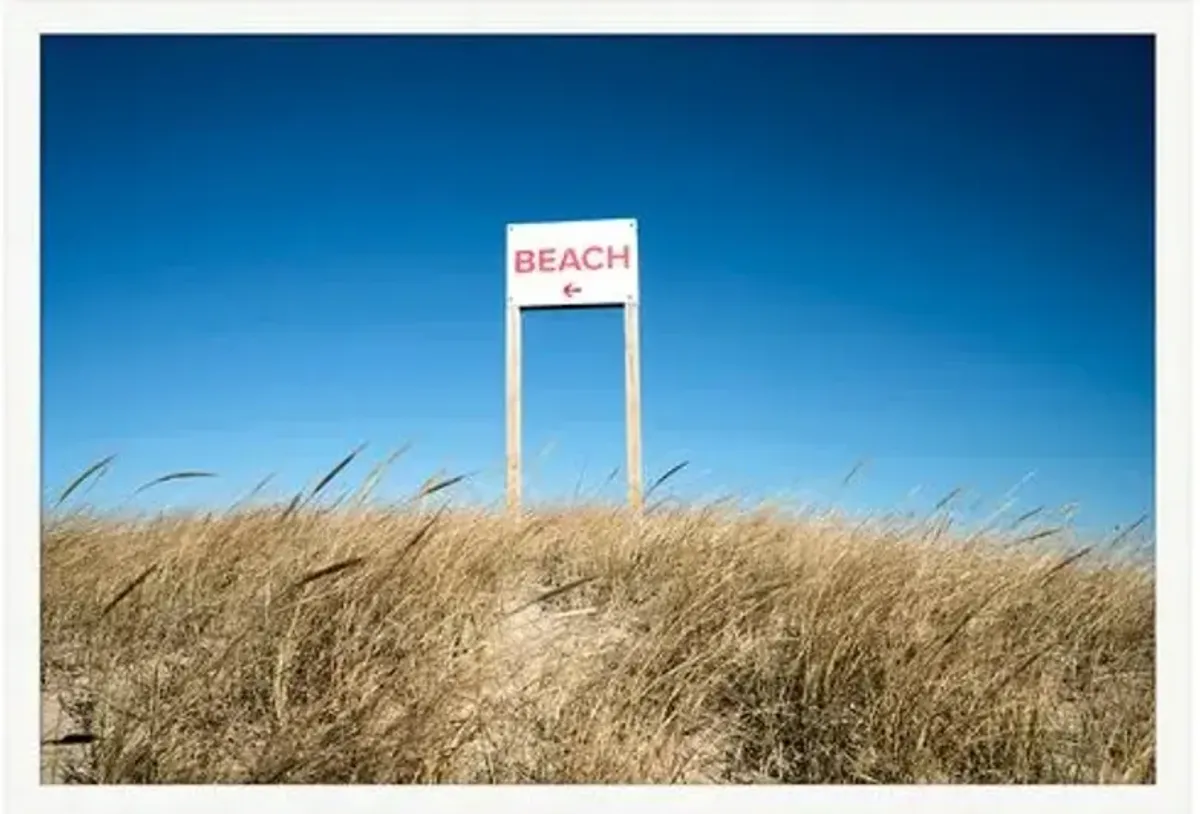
x=572 y=264
x=633 y=405
x=512 y=469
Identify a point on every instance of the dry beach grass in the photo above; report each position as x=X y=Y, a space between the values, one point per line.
x=432 y=645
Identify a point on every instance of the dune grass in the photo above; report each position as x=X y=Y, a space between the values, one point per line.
x=426 y=644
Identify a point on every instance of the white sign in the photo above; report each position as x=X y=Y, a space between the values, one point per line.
x=570 y=263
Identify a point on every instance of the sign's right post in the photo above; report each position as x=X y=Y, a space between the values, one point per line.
x=633 y=405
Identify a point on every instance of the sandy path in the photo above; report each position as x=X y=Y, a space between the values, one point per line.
x=534 y=663
x=57 y=760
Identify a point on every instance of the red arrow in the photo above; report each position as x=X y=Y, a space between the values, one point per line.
x=570 y=290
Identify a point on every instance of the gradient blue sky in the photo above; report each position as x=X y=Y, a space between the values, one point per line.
x=933 y=253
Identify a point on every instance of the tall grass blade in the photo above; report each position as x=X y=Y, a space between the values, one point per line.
x=1026 y=516
x=410 y=546
x=172 y=477
x=579 y=484
x=262 y=484
x=1128 y=530
x=127 y=590
x=73 y=739
x=376 y=474
x=1078 y=555
x=293 y=504
x=421 y=534
x=941 y=504
x=94 y=469
x=1040 y=534
x=854 y=470
x=548 y=595
x=333 y=473
x=964 y=621
x=666 y=476
x=328 y=571
x=430 y=488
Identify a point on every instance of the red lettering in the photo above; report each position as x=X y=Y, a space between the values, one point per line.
x=570 y=261
x=523 y=260
x=593 y=258
x=593 y=265
x=613 y=256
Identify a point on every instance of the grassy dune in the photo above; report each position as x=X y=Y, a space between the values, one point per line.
x=423 y=645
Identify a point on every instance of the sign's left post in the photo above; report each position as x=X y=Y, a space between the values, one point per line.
x=512 y=342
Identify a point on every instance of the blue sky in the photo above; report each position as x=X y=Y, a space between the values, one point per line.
x=932 y=253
